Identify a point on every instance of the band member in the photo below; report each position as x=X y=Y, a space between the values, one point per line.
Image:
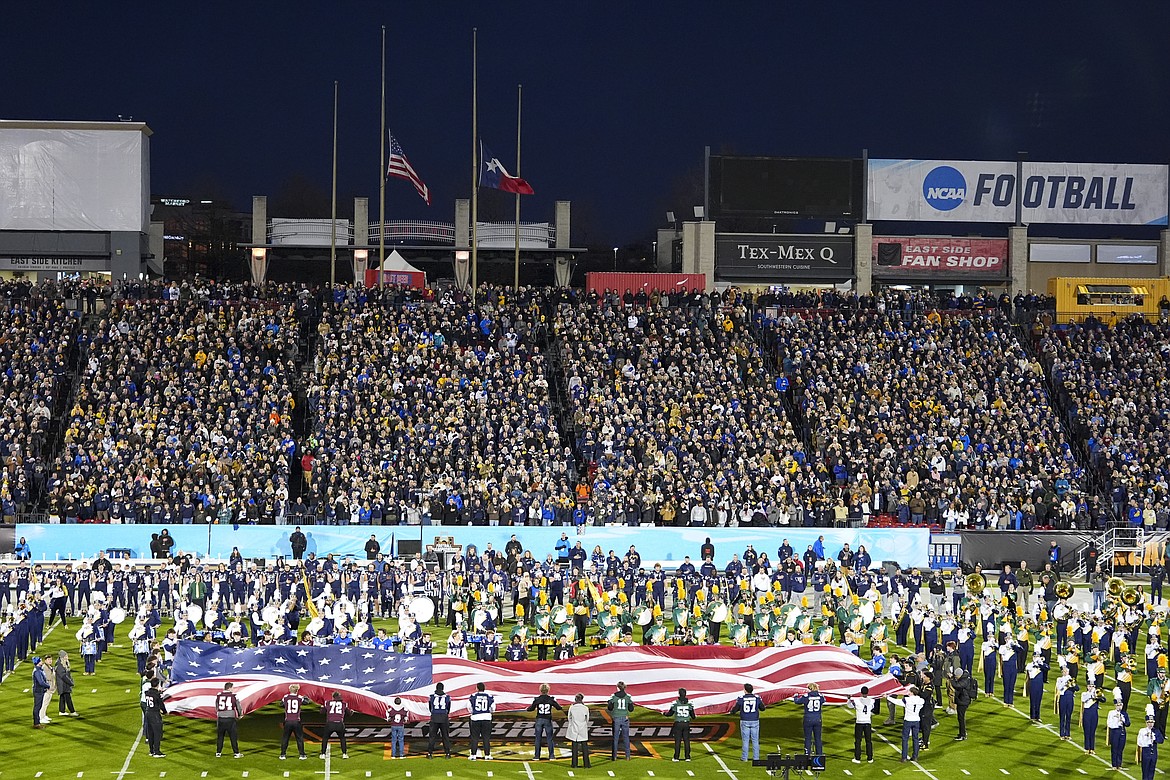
x=1118 y=722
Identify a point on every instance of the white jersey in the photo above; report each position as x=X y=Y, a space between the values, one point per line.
x=863 y=707
x=913 y=705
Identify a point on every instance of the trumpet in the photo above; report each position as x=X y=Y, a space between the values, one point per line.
x=1115 y=586
x=976 y=584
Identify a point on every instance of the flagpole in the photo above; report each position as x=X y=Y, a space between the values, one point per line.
x=382 y=174
x=516 y=269
x=333 y=212
x=474 y=165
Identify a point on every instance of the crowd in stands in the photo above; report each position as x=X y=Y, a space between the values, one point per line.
x=1115 y=386
x=37 y=335
x=940 y=417
x=440 y=409
x=182 y=411
x=679 y=420
x=550 y=406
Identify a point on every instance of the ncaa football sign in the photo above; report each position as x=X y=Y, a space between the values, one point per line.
x=982 y=191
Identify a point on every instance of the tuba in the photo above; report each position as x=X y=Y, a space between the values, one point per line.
x=976 y=584
x=1114 y=587
x=1131 y=596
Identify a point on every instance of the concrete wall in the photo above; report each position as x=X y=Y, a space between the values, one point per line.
x=863 y=257
x=259 y=219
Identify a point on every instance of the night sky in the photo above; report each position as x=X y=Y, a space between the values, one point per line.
x=618 y=102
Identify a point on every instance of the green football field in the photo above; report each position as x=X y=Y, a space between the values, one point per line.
x=105 y=742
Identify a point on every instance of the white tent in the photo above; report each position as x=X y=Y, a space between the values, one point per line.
x=396 y=262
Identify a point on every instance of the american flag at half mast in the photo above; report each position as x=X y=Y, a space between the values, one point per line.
x=369 y=679
x=399 y=167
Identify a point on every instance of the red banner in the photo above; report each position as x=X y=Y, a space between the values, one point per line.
x=917 y=256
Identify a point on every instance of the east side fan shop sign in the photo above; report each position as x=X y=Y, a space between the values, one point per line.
x=900 y=257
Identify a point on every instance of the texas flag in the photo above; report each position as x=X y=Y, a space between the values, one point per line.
x=493 y=175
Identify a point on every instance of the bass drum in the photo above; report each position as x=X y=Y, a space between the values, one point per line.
x=422 y=608
x=117 y=615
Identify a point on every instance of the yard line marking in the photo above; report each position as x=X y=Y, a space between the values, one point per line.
x=38 y=774
x=848 y=773
x=571 y=774
x=964 y=771
x=898 y=750
x=127 y=690
x=162 y=774
x=611 y=773
x=369 y=774
x=1005 y=771
x=245 y=774
x=94 y=690
x=690 y=773
x=1071 y=744
x=1043 y=771
x=129 y=756
x=651 y=774
x=26 y=690
x=528 y=769
x=720 y=761
x=80 y=774
x=887 y=772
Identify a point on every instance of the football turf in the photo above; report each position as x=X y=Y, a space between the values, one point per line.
x=105 y=741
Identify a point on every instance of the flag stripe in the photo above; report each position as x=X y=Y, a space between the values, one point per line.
x=714 y=676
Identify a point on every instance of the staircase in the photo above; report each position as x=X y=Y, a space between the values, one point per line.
x=1127 y=541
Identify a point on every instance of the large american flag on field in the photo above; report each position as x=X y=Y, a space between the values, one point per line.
x=399 y=167
x=369 y=679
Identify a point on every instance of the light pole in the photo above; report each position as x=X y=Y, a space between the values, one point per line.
x=615 y=258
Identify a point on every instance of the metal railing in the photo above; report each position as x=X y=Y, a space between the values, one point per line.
x=414 y=230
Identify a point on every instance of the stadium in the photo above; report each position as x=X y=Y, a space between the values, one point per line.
x=866 y=459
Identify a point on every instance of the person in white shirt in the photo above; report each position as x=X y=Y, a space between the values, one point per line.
x=911 y=722
x=864 y=707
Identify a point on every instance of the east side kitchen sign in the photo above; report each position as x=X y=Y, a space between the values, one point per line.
x=771 y=257
x=971 y=258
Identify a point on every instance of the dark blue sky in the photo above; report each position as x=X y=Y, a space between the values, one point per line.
x=618 y=102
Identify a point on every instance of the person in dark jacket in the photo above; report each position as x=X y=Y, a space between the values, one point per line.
x=298 y=542
x=40 y=689
x=64 y=674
